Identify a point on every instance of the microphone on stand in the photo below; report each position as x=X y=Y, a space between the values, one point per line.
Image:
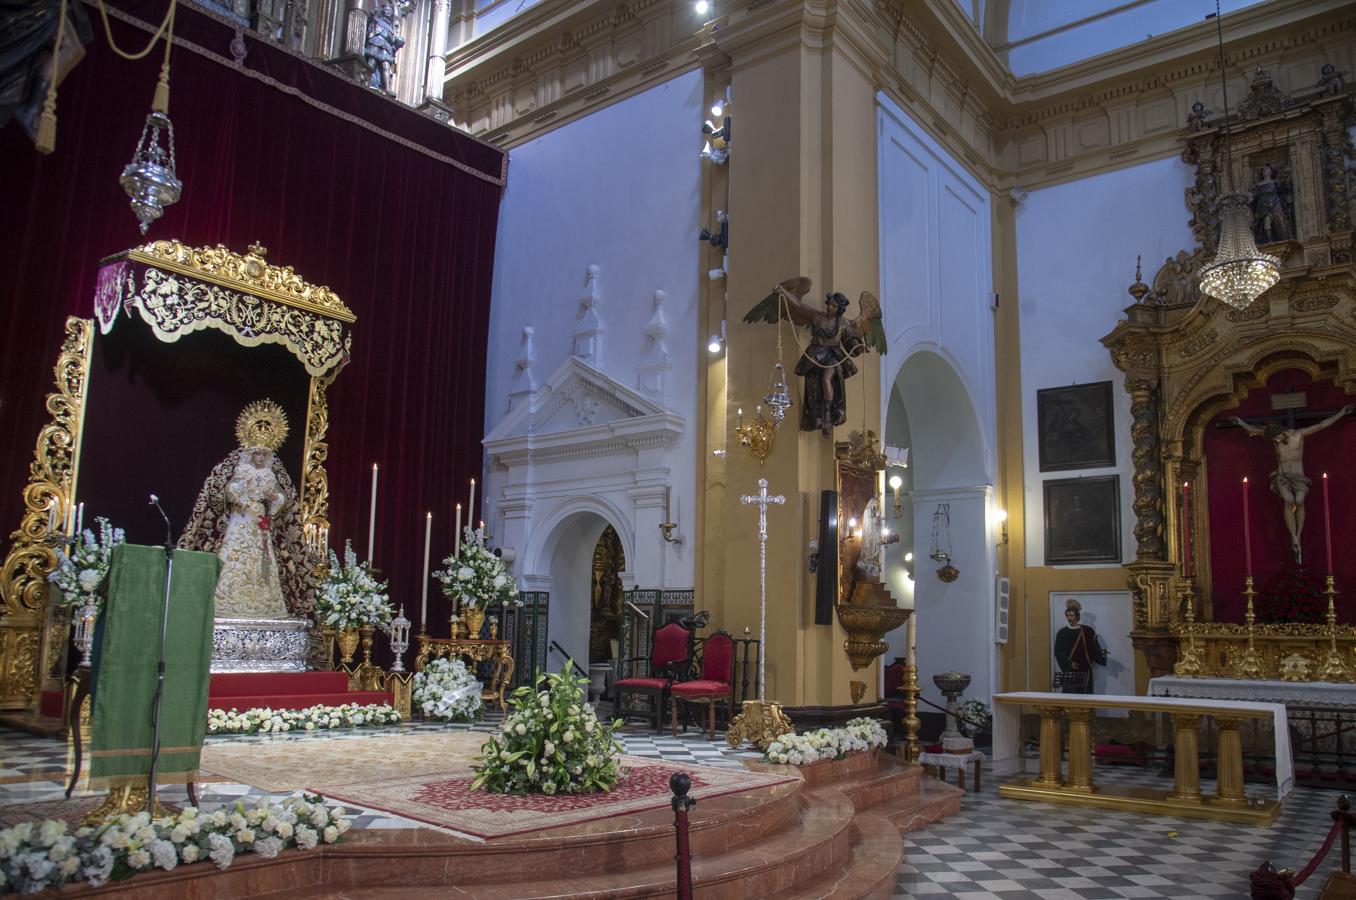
x=169 y=532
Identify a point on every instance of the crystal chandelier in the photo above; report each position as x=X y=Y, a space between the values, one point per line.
x=149 y=179
x=1240 y=272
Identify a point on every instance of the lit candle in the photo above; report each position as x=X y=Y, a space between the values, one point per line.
x=740 y=413
x=456 y=540
x=423 y=602
x=372 y=516
x=471 y=504
x=1186 y=528
x=1327 y=523
x=482 y=528
x=1247 y=534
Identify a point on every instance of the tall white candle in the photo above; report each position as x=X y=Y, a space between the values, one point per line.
x=912 y=651
x=668 y=490
x=80 y=519
x=471 y=504
x=423 y=603
x=52 y=514
x=456 y=539
x=372 y=516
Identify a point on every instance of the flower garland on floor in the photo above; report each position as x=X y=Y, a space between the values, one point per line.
x=35 y=856
x=447 y=691
x=263 y=720
x=351 y=596
x=552 y=743
x=826 y=743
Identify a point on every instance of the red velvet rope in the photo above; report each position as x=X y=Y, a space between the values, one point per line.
x=1322 y=851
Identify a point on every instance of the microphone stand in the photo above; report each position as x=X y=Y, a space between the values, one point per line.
x=160 y=663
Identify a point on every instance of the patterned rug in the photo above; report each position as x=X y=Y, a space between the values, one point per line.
x=286 y=766
x=448 y=801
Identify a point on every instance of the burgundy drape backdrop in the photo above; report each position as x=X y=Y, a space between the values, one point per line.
x=1231 y=454
x=405 y=239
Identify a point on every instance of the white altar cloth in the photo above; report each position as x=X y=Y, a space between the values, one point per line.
x=1292 y=693
x=1007 y=710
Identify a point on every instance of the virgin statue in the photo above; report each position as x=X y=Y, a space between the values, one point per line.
x=247 y=514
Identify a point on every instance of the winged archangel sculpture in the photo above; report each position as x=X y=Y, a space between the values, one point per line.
x=826 y=363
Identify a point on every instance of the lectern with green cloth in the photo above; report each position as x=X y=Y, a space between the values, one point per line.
x=125 y=669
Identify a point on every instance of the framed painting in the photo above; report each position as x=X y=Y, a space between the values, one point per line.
x=1076 y=427
x=1083 y=520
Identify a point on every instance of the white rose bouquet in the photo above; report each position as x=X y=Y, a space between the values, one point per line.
x=82 y=568
x=351 y=596
x=264 y=720
x=35 y=856
x=446 y=690
x=972 y=717
x=478 y=577
x=552 y=743
x=826 y=743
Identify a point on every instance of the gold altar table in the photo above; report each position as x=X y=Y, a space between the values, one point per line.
x=475 y=651
x=1229 y=803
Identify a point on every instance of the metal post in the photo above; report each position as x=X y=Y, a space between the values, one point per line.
x=680 y=784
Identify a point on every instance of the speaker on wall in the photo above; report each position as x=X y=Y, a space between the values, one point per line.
x=826 y=574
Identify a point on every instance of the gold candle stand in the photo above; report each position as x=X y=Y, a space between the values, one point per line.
x=1334 y=666
x=1189 y=665
x=911 y=721
x=1249 y=665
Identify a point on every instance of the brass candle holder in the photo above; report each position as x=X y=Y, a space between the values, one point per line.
x=1249 y=665
x=1189 y=664
x=1335 y=666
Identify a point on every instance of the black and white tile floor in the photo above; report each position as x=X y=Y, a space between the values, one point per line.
x=994 y=849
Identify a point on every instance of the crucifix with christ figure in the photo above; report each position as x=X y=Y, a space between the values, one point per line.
x=762 y=499
x=1288 y=481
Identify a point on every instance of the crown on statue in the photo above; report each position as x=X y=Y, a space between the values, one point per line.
x=261 y=424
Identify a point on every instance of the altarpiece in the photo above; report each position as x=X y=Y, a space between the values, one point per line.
x=1191 y=363
x=171 y=291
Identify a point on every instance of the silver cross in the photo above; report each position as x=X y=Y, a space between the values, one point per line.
x=762 y=499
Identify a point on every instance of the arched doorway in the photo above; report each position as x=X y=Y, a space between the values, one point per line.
x=932 y=413
x=609 y=561
x=575 y=543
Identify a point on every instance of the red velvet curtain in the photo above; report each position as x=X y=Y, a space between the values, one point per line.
x=404 y=238
x=1230 y=455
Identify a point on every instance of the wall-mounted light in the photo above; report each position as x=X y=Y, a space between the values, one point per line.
x=720 y=238
x=895 y=484
x=713 y=346
x=1002 y=517
x=702 y=7
x=718 y=273
x=717 y=155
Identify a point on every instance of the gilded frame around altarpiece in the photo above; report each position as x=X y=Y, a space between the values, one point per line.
x=241 y=295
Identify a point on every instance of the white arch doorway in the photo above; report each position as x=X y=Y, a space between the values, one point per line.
x=932 y=412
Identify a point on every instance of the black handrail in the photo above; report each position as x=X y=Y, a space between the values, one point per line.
x=561 y=650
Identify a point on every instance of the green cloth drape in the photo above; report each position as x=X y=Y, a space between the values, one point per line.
x=125 y=671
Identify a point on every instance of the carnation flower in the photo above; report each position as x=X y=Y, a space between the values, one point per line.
x=164 y=854
x=222 y=851
x=138 y=859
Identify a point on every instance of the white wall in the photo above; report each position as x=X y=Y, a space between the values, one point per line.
x=1076 y=247
x=619 y=189
x=936 y=283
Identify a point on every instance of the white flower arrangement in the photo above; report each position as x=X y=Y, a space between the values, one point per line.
x=263 y=720
x=826 y=743
x=35 y=856
x=82 y=568
x=446 y=690
x=972 y=717
x=351 y=596
x=552 y=743
x=477 y=577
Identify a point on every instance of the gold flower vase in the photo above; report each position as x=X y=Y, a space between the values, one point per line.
x=348 y=644
x=474 y=617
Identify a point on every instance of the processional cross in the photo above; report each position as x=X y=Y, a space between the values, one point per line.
x=762 y=499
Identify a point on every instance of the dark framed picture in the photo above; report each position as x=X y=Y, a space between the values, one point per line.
x=1083 y=520
x=1076 y=427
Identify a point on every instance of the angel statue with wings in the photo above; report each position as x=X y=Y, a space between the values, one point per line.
x=826 y=363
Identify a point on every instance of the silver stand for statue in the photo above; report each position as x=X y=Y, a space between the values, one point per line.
x=260 y=645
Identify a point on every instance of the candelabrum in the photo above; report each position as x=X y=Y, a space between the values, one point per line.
x=1249 y=665
x=911 y=721
x=1189 y=662
x=757 y=436
x=400 y=639
x=1335 y=666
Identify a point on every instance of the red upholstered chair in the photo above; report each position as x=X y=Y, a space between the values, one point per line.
x=667 y=661
x=716 y=683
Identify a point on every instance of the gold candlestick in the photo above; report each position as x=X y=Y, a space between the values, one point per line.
x=1335 y=666
x=1249 y=665
x=1189 y=665
x=911 y=721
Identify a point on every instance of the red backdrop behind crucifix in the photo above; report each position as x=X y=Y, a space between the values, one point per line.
x=1231 y=454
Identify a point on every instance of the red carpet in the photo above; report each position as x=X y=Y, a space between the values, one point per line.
x=285 y=690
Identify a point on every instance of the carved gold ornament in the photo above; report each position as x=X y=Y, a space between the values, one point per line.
x=261 y=424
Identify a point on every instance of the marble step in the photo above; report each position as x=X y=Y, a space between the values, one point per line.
x=935 y=801
x=877 y=853
x=892 y=780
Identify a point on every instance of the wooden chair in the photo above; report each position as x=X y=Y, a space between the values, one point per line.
x=715 y=684
x=668 y=659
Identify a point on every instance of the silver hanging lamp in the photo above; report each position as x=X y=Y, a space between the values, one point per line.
x=1240 y=273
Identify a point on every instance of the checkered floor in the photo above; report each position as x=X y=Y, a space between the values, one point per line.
x=994 y=848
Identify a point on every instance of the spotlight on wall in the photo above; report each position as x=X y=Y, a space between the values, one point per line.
x=718 y=273
x=1002 y=517
x=702 y=7
x=713 y=346
x=895 y=484
x=715 y=154
x=721 y=238
x=718 y=109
